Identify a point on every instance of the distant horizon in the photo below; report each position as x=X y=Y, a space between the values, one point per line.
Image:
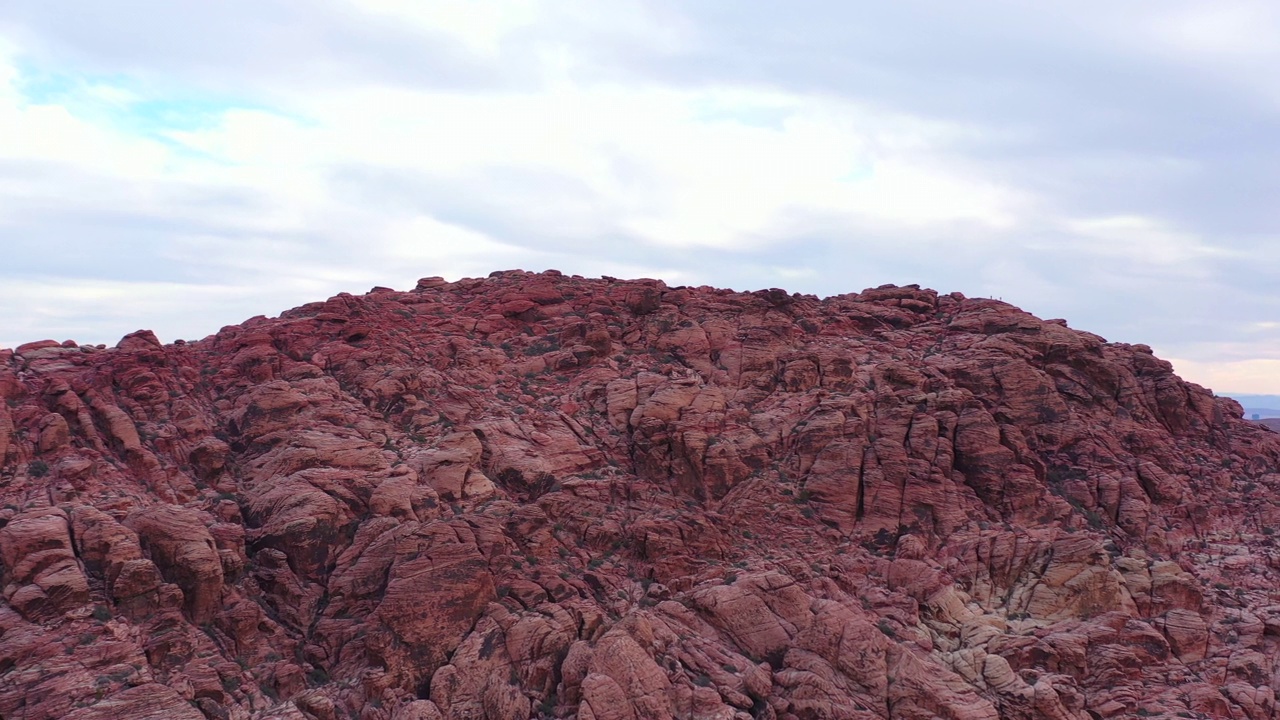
x=1264 y=405
x=1256 y=397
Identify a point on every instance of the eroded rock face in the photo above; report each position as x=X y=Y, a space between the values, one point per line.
x=42 y=578
x=540 y=496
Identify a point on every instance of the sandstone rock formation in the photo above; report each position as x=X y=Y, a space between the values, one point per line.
x=533 y=495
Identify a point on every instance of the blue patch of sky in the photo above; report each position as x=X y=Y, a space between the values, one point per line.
x=861 y=172
x=132 y=106
x=771 y=117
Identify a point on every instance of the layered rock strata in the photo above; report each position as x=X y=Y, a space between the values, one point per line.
x=534 y=495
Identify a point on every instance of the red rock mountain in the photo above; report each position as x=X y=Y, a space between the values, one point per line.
x=540 y=496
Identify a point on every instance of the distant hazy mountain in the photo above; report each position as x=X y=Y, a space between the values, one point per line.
x=1264 y=406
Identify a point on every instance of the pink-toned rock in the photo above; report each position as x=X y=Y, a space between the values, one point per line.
x=42 y=579
x=54 y=433
x=417 y=710
x=135 y=579
x=1188 y=634
x=103 y=545
x=621 y=669
x=1078 y=582
x=440 y=561
x=144 y=702
x=120 y=427
x=532 y=495
x=762 y=615
x=295 y=515
x=452 y=468
x=6 y=433
x=917 y=690
x=178 y=541
x=604 y=699
x=402 y=496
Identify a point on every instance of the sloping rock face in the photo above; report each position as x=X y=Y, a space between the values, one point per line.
x=543 y=496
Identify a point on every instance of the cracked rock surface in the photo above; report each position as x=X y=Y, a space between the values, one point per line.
x=533 y=495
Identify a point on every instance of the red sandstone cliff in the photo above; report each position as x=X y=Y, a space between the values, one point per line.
x=533 y=495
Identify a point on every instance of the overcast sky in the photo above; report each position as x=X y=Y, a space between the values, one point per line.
x=180 y=165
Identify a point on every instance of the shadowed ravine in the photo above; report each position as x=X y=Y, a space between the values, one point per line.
x=534 y=495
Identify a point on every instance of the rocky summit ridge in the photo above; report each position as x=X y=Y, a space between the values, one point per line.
x=533 y=495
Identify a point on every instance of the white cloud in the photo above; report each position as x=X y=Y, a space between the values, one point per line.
x=52 y=133
x=676 y=168
x=1258 y=376
x=96 y=311
x=1231 y=30
x=481 y=25
x=1142 y=240
x=380 y=140
x=424 y=241
x=650 y=159
x=1236 y=43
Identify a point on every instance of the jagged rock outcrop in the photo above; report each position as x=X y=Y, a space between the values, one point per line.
x=533 y=495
